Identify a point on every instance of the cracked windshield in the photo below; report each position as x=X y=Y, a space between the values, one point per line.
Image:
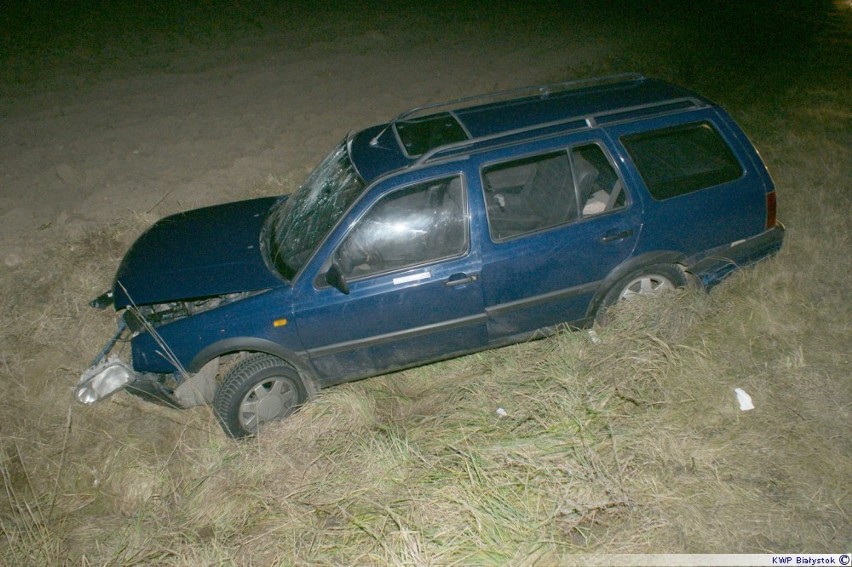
x=298 y=224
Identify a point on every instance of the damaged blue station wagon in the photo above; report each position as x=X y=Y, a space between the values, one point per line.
x=455 y=227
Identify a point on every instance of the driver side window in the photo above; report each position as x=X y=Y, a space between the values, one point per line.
x=415 y=225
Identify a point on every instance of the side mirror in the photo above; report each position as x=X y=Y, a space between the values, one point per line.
x=336 y=279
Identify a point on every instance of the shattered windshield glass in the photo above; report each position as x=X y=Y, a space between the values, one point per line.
x=296 y=226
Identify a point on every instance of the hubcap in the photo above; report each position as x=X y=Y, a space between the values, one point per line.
x=267 y=401
x=650 y=284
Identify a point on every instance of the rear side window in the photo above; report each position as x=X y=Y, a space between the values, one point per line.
x=683 y=159
x=529 y=194
x=540 y=192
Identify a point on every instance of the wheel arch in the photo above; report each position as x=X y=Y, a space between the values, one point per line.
x=253 y=344
x=634 y=264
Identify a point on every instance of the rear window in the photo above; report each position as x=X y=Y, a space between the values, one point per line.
x=420 y=135
x=683 y=159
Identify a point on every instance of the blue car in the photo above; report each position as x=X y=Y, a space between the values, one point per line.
x=454 y=228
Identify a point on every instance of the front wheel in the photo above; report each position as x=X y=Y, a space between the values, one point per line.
x=260 y=389
x=650 y=280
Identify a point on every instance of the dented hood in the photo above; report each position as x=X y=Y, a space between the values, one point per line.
x=199 y=253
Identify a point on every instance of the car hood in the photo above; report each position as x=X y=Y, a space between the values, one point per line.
x=199 y=253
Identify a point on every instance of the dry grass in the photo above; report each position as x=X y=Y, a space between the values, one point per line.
x=633 y=443
x=630 y=444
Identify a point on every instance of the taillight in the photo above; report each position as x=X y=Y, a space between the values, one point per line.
x=771 y=208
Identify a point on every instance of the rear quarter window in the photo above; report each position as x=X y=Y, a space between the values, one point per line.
x=679 y=160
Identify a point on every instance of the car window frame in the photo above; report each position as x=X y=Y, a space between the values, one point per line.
x=320 y=282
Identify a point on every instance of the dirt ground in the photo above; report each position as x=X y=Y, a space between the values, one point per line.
x=198 y=125
x=107 y=111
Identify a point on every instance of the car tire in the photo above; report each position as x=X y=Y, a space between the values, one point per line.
x=257 y=390
x=649 y=280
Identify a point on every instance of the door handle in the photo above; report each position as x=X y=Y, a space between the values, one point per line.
x=461 y=279
x=617 y=236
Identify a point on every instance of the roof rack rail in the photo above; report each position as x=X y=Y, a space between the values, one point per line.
x=542 y=90
x=583 y=121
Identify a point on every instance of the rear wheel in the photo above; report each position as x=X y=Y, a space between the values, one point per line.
x=650 y=280
x=260 y=389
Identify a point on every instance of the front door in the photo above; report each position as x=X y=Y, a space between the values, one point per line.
x=414 y=292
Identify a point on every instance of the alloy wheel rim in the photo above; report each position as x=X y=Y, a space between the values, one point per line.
x=267 y=401
x=645 y=285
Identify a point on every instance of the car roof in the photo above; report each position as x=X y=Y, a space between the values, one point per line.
x=456 y=128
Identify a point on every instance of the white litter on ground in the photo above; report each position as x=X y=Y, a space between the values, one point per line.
x=744 y=399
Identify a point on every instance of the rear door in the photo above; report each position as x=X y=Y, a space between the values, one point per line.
x=557 y=222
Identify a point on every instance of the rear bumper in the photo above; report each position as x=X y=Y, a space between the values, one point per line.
x=714 y=267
